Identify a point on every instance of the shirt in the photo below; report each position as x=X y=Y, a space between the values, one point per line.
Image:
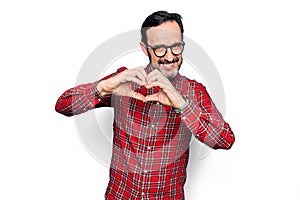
x=151 y=140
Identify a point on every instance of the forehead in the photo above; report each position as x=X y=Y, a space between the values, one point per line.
x=166 y=33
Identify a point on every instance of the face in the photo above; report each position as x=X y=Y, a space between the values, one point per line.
x=167 y=34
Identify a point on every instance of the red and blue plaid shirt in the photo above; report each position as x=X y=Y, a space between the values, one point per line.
x=151 y=140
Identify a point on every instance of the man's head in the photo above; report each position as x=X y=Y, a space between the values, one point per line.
x=162 y=41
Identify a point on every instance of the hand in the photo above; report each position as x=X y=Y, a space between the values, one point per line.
x=167 y=95
x=121 y=83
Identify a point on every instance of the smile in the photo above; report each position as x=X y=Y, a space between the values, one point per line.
x=168 y=66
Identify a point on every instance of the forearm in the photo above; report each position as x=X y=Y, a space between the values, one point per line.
x=80 y=99
x=84 y=97
x=208 y=128
x=203 y=119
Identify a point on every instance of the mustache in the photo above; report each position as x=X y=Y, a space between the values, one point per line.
x=168 y=62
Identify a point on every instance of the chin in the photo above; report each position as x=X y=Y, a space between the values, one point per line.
x=170 y=75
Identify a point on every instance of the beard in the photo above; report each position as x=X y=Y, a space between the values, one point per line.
x=163 y=61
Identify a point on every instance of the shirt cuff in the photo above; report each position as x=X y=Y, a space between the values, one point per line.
x=191 y=115
x=95 y=92
x=186 y=104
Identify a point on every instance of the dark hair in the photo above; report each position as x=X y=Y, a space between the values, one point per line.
x=157 y=18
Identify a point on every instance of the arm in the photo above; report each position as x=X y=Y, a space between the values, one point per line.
x=84 y=97
x=204 y=120
x=98 y=94
x=200 y=115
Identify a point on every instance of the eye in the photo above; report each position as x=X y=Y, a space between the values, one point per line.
x=177 y=48
x=160 y=49
x=179 y=44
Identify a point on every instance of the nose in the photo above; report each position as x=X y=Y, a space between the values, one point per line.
x=169 y=55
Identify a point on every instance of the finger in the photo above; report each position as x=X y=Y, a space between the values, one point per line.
x=138 y=73
x=159 y=84
x=151 y=79
x=170 y=92
x=153 y=97
x=156 y=76
x=134 y=79
x=141 y=75
x=142 y=70
x=156 y=73
x=152 y=76
x=152 y=84
x=137 y=96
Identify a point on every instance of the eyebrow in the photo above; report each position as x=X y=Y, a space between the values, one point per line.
x=162 y=45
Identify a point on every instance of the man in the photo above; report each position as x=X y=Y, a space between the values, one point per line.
x=156 y=112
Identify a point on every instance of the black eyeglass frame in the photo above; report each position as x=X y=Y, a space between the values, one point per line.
x=154 y=48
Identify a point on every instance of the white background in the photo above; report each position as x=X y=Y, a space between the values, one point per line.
x=255 y=46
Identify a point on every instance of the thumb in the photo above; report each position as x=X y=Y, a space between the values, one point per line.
x=137 y=96
x=153 y=97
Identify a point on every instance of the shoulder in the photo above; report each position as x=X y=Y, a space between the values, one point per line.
x=191 y=83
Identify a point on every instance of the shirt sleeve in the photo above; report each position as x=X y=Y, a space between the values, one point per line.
x=206 y=123
x=83 y=97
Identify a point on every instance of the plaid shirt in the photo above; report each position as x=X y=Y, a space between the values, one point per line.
x=151 y=140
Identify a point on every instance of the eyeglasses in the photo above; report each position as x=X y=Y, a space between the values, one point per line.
x=161 y=50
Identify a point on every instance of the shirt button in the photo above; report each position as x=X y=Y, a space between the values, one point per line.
x=197 y=135
x=157 y=103
x=184 y=118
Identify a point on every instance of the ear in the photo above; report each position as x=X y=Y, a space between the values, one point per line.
x=144 y=48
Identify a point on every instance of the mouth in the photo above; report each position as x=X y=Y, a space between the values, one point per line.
x=168 y=66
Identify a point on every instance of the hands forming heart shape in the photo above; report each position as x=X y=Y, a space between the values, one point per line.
x=121 y=85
